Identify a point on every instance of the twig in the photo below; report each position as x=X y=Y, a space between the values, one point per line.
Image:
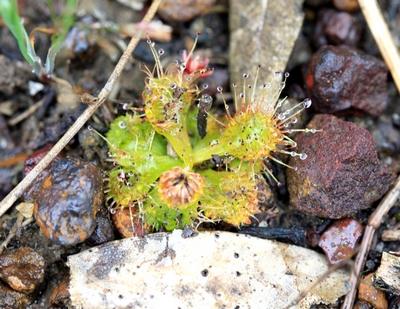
x=9 y=200
x=373 y=223
x=14 y=231
x=382 y=36
x=25 y=114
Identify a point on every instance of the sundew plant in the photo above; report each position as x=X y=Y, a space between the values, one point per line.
x=162 y=161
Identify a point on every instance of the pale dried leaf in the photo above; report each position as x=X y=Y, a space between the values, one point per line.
x=263 y=32
x=209 y=270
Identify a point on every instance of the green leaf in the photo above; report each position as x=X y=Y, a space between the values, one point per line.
x=9 y=13
x=63 y=22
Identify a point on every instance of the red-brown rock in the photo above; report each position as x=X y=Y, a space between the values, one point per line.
x=336 y=28
x=22 y=269
x=367 y=292
x=340 y=77
x=342 y=173
x=340 y=240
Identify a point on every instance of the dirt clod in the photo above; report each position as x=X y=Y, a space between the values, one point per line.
x=342 y=173
x=13 y=299
x=67 y=196
x=340 y=240
x=103 y=232
x=12 y=75
x=22 y=269
x=59 y=296
x=340 y=77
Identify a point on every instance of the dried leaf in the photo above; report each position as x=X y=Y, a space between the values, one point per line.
x=209 y=270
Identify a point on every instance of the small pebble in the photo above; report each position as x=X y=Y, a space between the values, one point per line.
x=386 y=136
x=22 y=269
x=340 y=77
x=184 y=10
x=340 y=240
x=67 y=196
x=336 y=28
x=59 y=296
x=367 y=292
x=361 y=305
x=346 y=5
x=103 y=232
x=127 y=222
x=342 y=173
x=10 y=299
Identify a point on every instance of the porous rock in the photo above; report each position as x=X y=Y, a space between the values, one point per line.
x=342 y=173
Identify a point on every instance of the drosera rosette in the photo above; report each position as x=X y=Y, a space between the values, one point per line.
x=260 y=127
x=167 y=98
x=162 y=156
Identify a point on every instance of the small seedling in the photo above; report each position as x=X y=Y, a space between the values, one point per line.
x=163 y=164
x=10 y=14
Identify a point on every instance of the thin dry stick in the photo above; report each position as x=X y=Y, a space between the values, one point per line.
x=320 y=279
x=380 y=31
x=373 y=223
x=10 y=199
x=33 y=108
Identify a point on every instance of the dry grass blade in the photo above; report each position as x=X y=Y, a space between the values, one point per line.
x=383 y=38
x=380 y=31
x=373 y=223
x=11 y=198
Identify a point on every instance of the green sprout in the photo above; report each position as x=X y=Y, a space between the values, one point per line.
x=11 y=17
x=162 y=164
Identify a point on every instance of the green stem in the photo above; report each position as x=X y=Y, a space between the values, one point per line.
x=203 y=154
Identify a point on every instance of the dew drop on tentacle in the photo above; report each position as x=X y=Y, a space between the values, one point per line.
x=307 y=103
x=303 y=156
x=122 y=124
x=161 y=52
x=281 y=116
x=219 y=89
x=204 y=86
x=90 y=128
